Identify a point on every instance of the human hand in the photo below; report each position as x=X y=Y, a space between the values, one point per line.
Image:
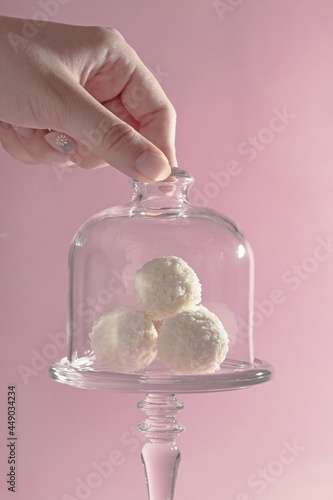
x=90 y=88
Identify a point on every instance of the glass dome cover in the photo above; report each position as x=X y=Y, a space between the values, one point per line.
x=104 y=257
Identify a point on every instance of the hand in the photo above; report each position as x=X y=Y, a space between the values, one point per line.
x=81 y=96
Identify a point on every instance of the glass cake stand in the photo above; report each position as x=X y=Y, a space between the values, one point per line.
x=103 y=259
x=160 y=454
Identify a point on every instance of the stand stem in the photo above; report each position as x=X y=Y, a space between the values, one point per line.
x=160 y=455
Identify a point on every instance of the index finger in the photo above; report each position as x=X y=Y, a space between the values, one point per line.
x=146 y=101
x=126 y=77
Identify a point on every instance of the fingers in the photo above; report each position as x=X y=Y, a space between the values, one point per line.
x=112 y=139
x=41 y=152
x=140 y=93
x=11 y=144
x=77 y=153
x=19 y=144
x=28 y=146
x=116 y=107
x=153 y=116
x=145 y=100
x=36 y=147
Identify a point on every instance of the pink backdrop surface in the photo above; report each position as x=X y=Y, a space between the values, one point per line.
x=252 y=84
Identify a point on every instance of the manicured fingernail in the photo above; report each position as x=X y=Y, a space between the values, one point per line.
x=60 y=142
x=24 y=132
x=152 y=166
x=5 y=124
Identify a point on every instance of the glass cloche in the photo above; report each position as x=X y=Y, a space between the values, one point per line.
x=113 y=245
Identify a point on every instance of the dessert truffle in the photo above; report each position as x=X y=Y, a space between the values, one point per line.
x=165 y=286
x=124 y=339
x=193 y=341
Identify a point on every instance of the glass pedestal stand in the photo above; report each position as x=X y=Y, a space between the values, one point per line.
x=160 y=454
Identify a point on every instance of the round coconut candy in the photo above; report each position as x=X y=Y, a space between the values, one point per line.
x=193 y=341
x=166 y=286
x=124 y=339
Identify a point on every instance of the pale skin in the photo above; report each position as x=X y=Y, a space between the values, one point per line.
x=81 y=96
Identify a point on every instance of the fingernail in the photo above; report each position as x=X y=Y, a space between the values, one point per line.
x=24 y=132
x=152 y=166
x=5 y=124
x=60 y=142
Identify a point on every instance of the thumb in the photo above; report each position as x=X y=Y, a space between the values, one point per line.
x=116 y=142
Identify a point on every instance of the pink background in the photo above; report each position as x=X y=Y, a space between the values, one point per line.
x=226 y=74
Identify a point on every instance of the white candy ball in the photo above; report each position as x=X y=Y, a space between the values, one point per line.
x=124 y=339
x=166 y=286
x=193 y=341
